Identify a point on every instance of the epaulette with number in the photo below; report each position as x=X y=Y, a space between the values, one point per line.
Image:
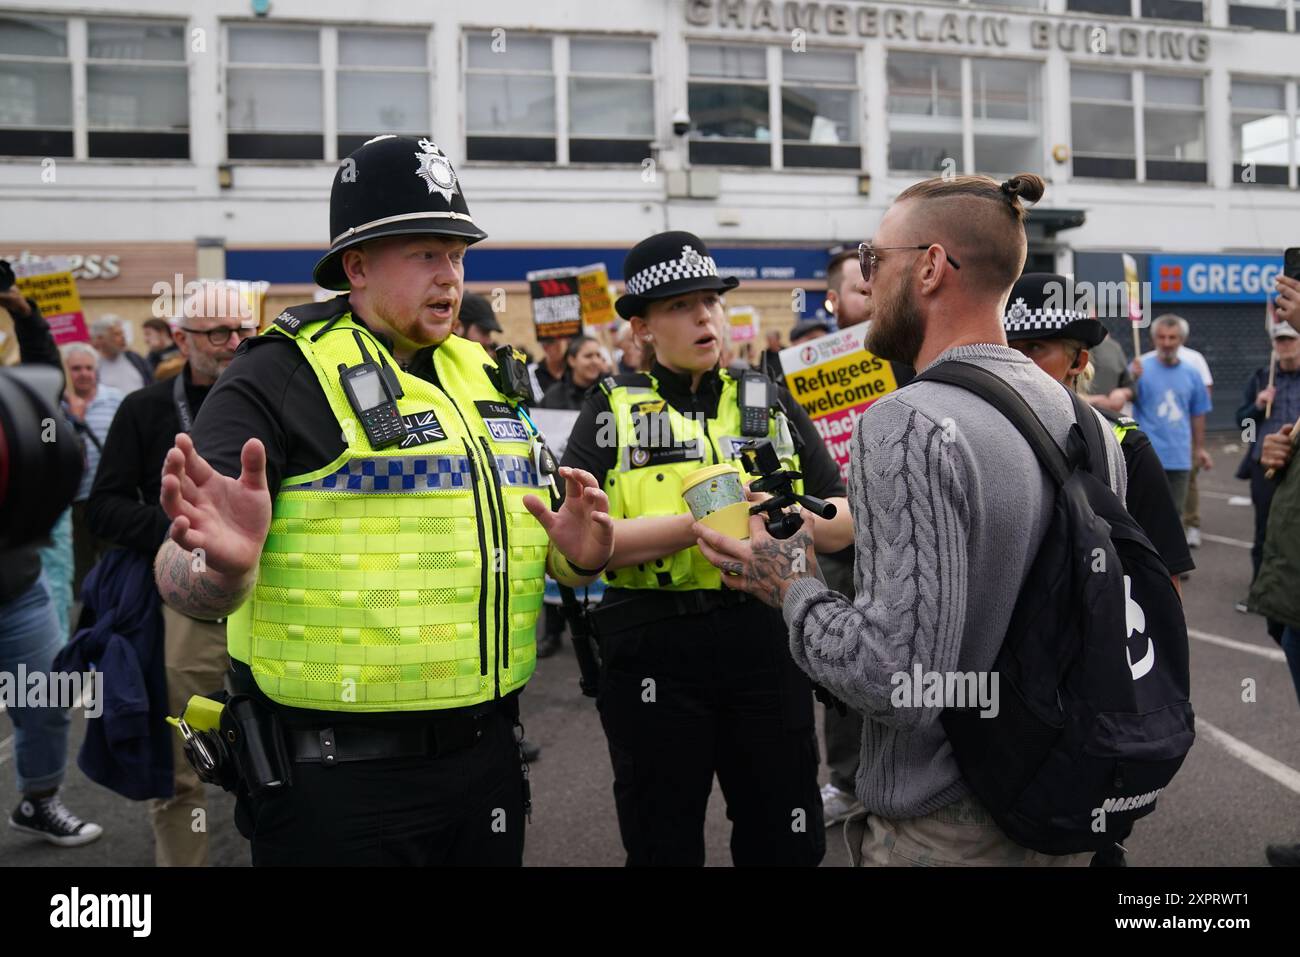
x=290 y=321
x=611 y=382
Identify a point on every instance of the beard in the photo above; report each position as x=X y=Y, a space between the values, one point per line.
x=897 y=329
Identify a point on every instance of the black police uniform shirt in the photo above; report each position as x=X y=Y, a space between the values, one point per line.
x=1149 y=501
x=270 y=392
x=821 y=476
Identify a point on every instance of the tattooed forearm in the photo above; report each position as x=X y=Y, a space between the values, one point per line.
x=190 y=587
x=777 y=562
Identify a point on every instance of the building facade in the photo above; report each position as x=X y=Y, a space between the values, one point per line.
x=207 y=133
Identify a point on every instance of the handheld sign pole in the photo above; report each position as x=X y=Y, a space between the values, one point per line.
x=1134 y=300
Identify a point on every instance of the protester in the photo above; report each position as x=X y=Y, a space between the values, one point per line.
x=119 y=367
x=90 y=407
x=806 y=330
x=478 y=323
x=30 y=638
x=770 y=361
x=628 y=353
x=1192 y=507
x=949 y=505
x=550 y=369
x=124 y=509
x=1170 y=403
x=158 y=338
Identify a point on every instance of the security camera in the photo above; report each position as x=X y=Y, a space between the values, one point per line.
x=681 y=122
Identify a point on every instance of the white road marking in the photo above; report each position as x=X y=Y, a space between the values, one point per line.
x=1272 y=654
x=1283 y=774
x=1226 y=496
x=1239 y=500
x=1225 y=540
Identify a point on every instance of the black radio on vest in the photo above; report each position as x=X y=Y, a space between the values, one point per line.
x=373 y=392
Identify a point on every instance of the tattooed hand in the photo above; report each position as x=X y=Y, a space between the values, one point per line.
x=762 y=566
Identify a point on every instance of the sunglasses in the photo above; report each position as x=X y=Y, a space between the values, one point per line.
x=868 y=257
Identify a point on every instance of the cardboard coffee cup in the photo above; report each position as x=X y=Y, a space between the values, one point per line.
x=716 y=497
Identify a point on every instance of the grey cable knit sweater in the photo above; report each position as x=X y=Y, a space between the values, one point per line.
x=949 y=508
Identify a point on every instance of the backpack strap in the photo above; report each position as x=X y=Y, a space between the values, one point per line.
x=1098 y=461
x=1011 y=404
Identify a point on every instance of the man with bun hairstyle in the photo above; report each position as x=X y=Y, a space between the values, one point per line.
x=949 y=508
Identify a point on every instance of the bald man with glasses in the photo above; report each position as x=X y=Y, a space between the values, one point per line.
x=123 y=509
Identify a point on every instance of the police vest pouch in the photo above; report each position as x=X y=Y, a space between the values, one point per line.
x=257 y=745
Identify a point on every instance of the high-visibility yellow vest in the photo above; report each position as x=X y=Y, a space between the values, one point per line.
x=657 y=448
x=407 y=578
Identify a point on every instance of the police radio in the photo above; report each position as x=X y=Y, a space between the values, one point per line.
x=757 y=395
x=373 y=391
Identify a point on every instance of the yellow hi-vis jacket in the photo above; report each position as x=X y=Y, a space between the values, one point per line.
x=657 y=448
x=407 y=578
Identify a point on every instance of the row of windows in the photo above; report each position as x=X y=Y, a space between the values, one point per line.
x=559 y=99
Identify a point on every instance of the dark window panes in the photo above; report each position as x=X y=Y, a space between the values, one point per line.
x=275 y=146
x=512 y=149
x=1174 y=171
x=723 y=109
x=822 y=157
x=29 y=142
x=724 y=153
x=1105 y=167
x=1116 y=8
x=1189 y=10
x=122 y=145
x=1260 y=18
x=1268 y=175
x=608 y=151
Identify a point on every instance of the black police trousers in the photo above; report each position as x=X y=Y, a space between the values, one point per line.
x=462 y=808
x=685 y=698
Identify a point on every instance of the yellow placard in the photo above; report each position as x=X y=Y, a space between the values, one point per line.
x=57 y=298
x=843 y=383
x=593 y=292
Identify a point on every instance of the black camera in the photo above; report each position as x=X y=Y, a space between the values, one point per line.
x=760 y=458
x=7 y=277
x=40 y=455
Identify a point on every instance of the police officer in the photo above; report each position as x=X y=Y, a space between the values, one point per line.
x=360 y=494
x=695 y=681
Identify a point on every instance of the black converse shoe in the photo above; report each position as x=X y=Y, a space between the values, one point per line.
x=47 y=818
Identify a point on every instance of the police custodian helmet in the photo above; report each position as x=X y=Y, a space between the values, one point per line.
x=392 y=186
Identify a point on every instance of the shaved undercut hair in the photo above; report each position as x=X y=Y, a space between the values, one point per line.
x=979 y=221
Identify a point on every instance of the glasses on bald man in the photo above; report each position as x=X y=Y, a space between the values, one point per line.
x=868 y=257
x=221 y=334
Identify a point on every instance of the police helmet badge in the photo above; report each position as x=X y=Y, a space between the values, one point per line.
x=1018 y=311
x=435 y=169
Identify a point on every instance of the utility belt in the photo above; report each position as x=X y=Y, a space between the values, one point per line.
x=237 y=742
x=624 y=613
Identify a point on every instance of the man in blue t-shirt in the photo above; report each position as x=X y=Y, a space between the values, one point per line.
x=1170 y=403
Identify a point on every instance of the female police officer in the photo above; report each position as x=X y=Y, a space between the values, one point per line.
x=695 y=680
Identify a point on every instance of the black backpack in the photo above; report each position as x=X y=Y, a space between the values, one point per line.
x=1094 y=718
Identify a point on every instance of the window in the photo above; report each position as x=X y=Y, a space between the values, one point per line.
x=1261 y=138
x=35 y=88
x=1115 y=8
x=819 y=110
x=925 y=114
x=1189 y=10
x=1005 y=102
x=1259 y=14
x=611 y=100
x=1174 y=122
x=274 y=94
x=137 y=90
x=382 y=85
x=924 y=104
x=510 y=98
x=1102 y=124
x=728 y=99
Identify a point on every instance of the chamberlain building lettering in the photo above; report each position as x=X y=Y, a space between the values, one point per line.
x=957 y=29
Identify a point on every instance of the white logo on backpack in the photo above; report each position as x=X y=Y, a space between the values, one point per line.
x=1136 y=620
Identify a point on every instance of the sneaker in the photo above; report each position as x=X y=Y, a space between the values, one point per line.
x=47 y=818
x=1242 y=607
x=1283 y=855
x=837 y=805
x=1193 y=537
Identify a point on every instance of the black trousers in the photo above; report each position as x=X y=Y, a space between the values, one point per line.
x=686 y=698
x=462 y=808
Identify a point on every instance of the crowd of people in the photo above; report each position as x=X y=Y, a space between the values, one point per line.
x=244 y=449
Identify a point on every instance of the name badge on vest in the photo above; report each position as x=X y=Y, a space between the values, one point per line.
x=502 y=422
x=421 y=429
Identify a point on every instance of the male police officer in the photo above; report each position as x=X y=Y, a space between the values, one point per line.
x=354 y=496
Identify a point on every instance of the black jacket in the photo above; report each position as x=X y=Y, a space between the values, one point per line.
x=123 y=506
x=564 y=395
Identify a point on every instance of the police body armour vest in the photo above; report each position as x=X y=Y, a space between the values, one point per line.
x=407 y=578
x=657 y=448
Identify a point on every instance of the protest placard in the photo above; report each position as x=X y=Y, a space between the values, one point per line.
x=565 y=300
x=48 y=281
x=835 y=379
x=743 y=321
